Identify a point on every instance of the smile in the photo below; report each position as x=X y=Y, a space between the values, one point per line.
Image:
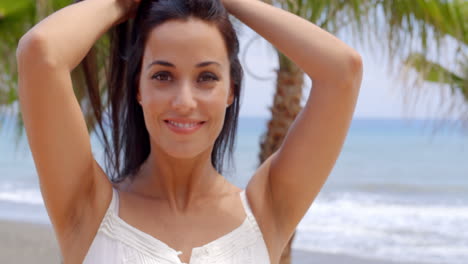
x=184 y=128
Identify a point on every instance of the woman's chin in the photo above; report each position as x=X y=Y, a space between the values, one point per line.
x=188 y=149
x=183 y=153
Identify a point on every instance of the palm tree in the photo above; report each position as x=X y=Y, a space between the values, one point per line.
x=16 y=18
x=405 y=21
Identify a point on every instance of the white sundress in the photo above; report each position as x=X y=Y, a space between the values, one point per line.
x=118 y=242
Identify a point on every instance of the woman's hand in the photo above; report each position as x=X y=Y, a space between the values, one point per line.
x=128 y=9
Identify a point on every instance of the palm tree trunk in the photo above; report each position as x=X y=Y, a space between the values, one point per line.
x=286 y=106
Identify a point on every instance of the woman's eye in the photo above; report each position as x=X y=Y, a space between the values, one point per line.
x=208 y=77
x=162 y=76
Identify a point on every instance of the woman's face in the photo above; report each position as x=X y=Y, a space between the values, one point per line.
x=184 y=86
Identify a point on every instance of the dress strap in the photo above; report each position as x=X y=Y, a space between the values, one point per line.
x=114 y=206
x=246 y=205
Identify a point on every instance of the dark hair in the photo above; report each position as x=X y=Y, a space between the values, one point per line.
x=130 y=139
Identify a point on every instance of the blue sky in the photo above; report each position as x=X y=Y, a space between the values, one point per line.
x=381 y=96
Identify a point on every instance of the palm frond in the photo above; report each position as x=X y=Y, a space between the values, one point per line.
x=434 y=72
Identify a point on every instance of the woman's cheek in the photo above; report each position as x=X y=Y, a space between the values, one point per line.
x=219 y=108
x=151 y=115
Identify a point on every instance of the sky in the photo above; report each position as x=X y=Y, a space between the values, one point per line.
x=381 y=96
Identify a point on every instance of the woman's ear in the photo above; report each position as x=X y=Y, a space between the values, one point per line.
x=138 y=97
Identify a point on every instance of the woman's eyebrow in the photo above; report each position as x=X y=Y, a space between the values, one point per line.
x=160 y=62
x=206 y=63
x=168 y=64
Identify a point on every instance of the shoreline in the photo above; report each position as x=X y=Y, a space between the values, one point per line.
x=310 y=257
x=24 y=242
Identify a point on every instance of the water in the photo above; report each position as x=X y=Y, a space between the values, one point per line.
x=397 y=191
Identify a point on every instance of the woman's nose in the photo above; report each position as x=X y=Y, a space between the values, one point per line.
x=184 y=100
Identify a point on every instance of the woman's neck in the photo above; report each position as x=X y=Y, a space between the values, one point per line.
x=180 y=182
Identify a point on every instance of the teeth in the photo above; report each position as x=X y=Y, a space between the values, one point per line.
x=183 y=125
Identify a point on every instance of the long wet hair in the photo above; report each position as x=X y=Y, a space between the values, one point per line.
x=130 y=138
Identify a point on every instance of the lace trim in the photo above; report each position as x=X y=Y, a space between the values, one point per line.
x=221 y=248
x=115 y=228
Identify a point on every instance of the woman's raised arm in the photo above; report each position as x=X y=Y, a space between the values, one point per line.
x=286 y=184
x=75 y=191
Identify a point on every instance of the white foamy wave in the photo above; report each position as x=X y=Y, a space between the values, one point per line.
x=371 y=227
x=29 y=196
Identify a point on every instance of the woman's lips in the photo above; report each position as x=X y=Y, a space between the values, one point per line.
x=184 y=130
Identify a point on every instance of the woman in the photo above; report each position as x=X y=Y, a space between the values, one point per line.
x=175 y=87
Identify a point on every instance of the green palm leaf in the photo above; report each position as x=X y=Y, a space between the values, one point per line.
x=434 y=72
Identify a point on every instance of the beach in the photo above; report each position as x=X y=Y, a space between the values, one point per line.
x=394 y=194
x=22 y=242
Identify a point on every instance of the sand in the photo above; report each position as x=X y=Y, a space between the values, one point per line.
x=28 y=243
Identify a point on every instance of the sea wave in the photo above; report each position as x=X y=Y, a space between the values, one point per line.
x=384 y=229
x=420 y=188
x=28 y=196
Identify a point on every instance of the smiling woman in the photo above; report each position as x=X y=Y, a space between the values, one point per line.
x=174 y=93
x=183 y=57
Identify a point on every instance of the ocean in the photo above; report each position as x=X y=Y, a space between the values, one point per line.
x=399 y=190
